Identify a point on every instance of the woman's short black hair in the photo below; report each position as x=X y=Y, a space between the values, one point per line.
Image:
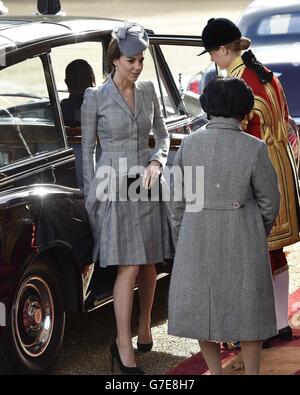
x=227 y=97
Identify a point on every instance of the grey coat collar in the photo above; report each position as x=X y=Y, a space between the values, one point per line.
x=118 y=98
x=224 y=123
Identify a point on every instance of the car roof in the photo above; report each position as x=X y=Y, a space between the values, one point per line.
x=19 y=32
x=256 y=11
x=271 y=4
x=265 y=7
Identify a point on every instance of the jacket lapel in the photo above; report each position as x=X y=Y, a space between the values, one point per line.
x=138 y=99
x=115 y=94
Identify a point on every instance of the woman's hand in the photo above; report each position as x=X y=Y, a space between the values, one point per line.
x=151 y=174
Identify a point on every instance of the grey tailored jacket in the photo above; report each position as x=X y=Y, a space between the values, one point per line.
x=221 y=285
x=121 y=229
x=121 y=133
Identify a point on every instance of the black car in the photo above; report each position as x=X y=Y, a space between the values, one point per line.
x=46 y=241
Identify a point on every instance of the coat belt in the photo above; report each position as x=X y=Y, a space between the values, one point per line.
x=124 y=150
x=215 y=205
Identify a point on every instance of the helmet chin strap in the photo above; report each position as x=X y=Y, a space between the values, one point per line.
x=217 y=70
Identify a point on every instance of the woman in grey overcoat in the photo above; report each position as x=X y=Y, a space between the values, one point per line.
x=132 y=234
x=221 y=286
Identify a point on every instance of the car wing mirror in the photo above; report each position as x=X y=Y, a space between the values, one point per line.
x=48 y=7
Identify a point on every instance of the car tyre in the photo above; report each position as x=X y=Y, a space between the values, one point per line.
x=36 y=322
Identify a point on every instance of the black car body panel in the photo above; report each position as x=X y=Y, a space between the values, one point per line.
x=39 y=219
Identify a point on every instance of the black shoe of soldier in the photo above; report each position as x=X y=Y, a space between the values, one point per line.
x=285 y=334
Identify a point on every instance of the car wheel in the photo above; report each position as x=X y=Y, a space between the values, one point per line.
x=37 y=320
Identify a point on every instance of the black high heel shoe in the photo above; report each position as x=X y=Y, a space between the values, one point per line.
x=144 y=347
x=114 y=351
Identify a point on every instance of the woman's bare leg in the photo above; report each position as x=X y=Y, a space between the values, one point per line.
x=123 y=299
x=251 y=352
x=212 y=355
x=146 y=287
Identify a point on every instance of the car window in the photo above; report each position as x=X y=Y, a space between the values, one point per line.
x=92 y=52
x=61 y=56
x=185 y=74
x=279 y=24
x=151 y=73
x=26 y=114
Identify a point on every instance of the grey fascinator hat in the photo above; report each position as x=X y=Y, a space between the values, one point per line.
x=132 y=39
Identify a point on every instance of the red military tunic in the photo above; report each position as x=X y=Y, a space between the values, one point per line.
x=269 y=121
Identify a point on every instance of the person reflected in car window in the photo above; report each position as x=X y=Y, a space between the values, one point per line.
x=268 y=120
x=130 y=233
x=221 y=284
x=79 y=76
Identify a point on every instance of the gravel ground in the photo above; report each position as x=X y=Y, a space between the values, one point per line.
x=86 y=343
x=87 y=338
x=174 y=350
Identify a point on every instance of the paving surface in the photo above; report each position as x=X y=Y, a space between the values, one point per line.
x=85 y=349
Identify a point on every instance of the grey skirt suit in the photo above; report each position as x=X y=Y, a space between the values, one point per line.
x=221 y=286
x=125 y=232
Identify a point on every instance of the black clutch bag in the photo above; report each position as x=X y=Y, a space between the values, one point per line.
x=138 y=190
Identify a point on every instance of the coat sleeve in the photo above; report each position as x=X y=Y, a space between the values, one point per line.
x=265 y=187
x=161 y=135
x=178 y=202
x=89 y=120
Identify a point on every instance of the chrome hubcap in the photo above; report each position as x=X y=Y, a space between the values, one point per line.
x=33 y=316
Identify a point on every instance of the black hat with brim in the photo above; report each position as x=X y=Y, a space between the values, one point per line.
x=217 y=32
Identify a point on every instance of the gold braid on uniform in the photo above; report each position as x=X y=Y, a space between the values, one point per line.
x=273 y=129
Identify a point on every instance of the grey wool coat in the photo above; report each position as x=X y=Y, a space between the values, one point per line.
x=125 y=232
x=221 y=286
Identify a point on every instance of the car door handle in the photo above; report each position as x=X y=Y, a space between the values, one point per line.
x=3 y=176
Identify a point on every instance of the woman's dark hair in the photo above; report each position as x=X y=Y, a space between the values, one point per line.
x=227 y=97
x=113 y=53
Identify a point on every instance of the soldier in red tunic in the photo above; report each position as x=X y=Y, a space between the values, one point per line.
x=268 y=121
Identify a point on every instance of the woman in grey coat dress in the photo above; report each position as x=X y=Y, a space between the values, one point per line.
x=127 y=233
x=221 y=286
